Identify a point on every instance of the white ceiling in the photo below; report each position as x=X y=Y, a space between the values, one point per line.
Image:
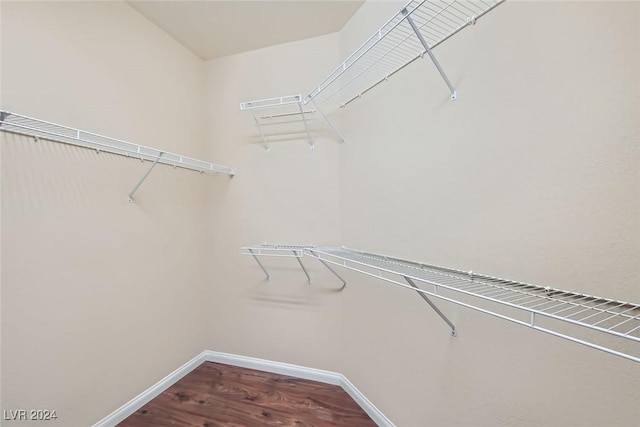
x=218 y=28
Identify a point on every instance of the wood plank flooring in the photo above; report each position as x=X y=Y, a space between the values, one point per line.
x=216 y=395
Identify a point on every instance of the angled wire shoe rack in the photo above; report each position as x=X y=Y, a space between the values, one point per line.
x=413 y=32
x=273 y=111
x=40 y=129
x=288 y=251
x=602 y=323
x=267 y=112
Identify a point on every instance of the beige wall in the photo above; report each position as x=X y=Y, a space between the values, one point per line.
x=532 y=174
x=289 y=195
x=101 y=298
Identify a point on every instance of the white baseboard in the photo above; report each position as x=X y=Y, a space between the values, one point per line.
x=146 y=396
x=312 y=374
x=374 y=413
x=319 y=375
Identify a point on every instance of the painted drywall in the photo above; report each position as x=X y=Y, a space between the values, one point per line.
x=289 y=195
x=101 y=297
x=536 y=165
x=533 y=174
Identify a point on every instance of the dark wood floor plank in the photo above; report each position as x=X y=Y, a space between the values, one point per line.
x=217 y=395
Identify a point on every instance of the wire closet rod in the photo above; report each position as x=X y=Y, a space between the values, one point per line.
x=41 y=129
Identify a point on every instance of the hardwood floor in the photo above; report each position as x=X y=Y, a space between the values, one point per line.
x=215 y=395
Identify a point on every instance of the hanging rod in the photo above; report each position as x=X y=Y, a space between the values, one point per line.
x=40 y=129
x=612 y=326
x=416 y=29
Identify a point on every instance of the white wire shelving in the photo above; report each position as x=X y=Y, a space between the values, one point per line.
x=413 y=32
x=288 y=251
x=271 y=111
x=280 y=110
x=41 y=129
x=602 y=323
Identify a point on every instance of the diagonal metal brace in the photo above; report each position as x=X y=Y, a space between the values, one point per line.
x=405 y=12
x=344 y=283
x=328 y=120
x=437 y=310
x=302 y=265
x=144 y=177
x=264 y=140
x=260 y=264
x=306 y=127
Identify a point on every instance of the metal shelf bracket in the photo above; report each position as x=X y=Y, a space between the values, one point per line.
x=264 y=140
x=259 y=263
x=329 y=121
x=435 y=308
x=306 y=127
x=153 y=165
x=344 y=283
x=427 y=49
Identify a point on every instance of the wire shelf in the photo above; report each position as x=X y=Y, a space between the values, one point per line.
x=40 y=129
x=611 y=326
x=414 y=31
x=276 y=250
x=284 y=106
x=290 y=251
x=396 y=44
x=279 y=110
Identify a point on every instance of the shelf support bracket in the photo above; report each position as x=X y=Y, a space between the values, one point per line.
x=264 y=140
x=260 y=264
x=302 y=265
x=436 y=309
x=329 y=121
x=405 y=12
x=130 y=198
x=306 y=128
x=316 y=256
